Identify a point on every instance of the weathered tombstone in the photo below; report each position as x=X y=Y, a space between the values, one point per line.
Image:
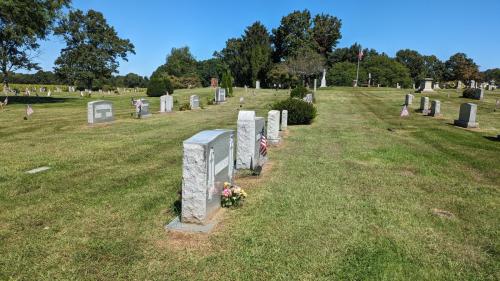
x=145 y=112
x=426 y=85
x=473 y=93
x=308 y=98
x=460 y=85
x=315 y=83
x=436 y=86
x=249 y=135
x=424 y=105
x=166 y=103
x=398 y=86
x=409 y=99
x=323 y=79
x=467 y=116
x=435 y=108
x=413 y=86
x=206 y=165
x=257 y=85
x=273 y=127
x=284 y=120
x=194 y=102
x=473 y=84
x=220 y=95
x=99 y=112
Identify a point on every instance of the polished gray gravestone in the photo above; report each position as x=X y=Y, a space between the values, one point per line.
x=250 y=132
x=206 y=165
x=273 y=127
x=145 y=112
x=166 y=103
x=194 y=102
x=435 y=108
x=99 y=112
x=424 y=105
x=220 y=95
x=467 y=116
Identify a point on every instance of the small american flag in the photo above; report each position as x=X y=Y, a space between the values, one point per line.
x=263 y=144
x=29 y=110
x=404 y=112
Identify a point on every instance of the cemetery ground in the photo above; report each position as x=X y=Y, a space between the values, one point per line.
x=361 y=194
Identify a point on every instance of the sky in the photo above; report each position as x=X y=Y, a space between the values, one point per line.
x=439 y=27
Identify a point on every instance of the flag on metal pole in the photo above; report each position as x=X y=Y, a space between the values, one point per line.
x=360 y=56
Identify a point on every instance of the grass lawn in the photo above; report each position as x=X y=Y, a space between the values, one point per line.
x=344 y=198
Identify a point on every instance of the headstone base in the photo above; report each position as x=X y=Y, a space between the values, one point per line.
x=274 y=141
x=207 y=227
x=463 y=124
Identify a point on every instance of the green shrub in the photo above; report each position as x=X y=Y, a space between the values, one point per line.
x=299 y=92
x=158 y=86
x=185 y=106
x=299 y=111
x=210 y=101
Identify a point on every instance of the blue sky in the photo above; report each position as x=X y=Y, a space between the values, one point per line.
x=440 y=27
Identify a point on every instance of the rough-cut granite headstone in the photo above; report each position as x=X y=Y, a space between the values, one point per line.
x=207 y=163
x=284 y=120
x=99 y=112
x=474 y=93
x=166 y=103
x=435 y=108
x=467 y=116
x=409 y=99
x=220 y=95
x=424 y=105
x=273 y=126
x=194 y=102
x=250 y=132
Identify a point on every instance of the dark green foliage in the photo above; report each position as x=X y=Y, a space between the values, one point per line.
x=387 y=72
x=492 y=74
x=460 y=67
x=22 y=24
x=181 y=63
x=343 y=74
x=299 y=92
x=185 y=106
x=159 y=86
x=227 y=83
x=208 y=69
x=92 y=48
x=299 y=111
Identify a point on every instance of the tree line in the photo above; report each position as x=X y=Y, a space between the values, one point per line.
x=295 y=52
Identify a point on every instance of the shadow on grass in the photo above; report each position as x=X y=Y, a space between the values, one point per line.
x=33 y=99
x=492 y=138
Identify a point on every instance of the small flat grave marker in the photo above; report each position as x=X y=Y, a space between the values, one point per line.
x=37 y=170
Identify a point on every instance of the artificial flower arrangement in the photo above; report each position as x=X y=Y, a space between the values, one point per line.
x=232 y=196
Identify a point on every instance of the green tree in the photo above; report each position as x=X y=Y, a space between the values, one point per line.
x=433 y=68
x=460 y=67
x=293 y=34
x=257 y=51
x=326 y=33
x=181 y=63
x=92 y=48
x=414 y=62
x=492 y=75
x=208 y=69
x=233 y=58
x=342 y=74
x=386 y=71
x=22 y=24
x=306 y=63
x=279 y=74
x=227 y=83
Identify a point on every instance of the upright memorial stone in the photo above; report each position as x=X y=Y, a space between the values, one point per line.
x=220 y=95
x=436 y=86
x=467 y=116
x=166 y=103
x=194 y=102
x=323 y=80
x=145 y=112
x=435 y=108
x=249 y=136
x=315 y=84
x=99 y=112
x=409 y=99
x=257 y=85
x=426 y=85
x=273 y=127
x=207 y=163
x=424 y=105
x=398 y=86
x=284 y=120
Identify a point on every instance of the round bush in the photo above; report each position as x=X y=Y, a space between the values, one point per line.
x=299 y=92
x=158 y=86
x=299 y=111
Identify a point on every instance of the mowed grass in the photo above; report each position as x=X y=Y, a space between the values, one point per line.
x=344 y=198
